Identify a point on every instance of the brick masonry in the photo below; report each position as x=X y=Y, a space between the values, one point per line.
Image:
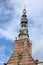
x=22 y=53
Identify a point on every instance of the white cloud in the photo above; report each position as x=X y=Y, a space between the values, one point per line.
x=6 y=34
x=3 y=56
x=38 y=50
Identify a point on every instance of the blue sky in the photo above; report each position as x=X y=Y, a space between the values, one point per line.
x=10 y=16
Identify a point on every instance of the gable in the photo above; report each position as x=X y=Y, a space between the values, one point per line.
x=21 y=58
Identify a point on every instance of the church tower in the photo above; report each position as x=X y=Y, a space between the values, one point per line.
x=22 y=54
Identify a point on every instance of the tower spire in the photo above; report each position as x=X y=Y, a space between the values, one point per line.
x=24 y=26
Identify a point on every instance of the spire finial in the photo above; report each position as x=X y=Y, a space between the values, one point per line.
x=24 y=11
x=24 y=25
x=25 y=5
